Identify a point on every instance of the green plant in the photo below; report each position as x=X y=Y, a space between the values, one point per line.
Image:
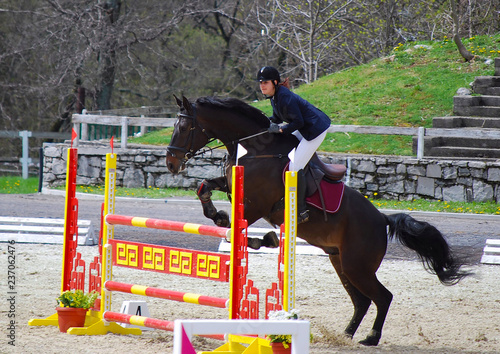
x=286 y=339
x=18 y=185
x=77 y=299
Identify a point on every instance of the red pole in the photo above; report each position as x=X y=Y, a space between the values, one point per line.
x=70 y=220
x=239 y=252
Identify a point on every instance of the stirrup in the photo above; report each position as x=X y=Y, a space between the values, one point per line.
x=303 y=217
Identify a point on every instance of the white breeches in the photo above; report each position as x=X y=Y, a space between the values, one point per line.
x=305 y=150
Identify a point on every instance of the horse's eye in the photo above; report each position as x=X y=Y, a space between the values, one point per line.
x=183 y=126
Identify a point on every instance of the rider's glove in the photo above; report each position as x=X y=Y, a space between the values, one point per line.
x=274 y=128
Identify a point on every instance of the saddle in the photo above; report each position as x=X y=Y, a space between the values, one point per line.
x=334 y=172
x=324 y=188
x=316 y=170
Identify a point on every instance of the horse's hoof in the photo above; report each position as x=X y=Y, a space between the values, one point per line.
x=222 y=219
x=254 y=243
x=372 y=339
x=369 y=342
x=271 y=240
x=348 y=335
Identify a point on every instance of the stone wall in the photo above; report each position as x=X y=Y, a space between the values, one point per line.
x=137 y=166
x=386 y=177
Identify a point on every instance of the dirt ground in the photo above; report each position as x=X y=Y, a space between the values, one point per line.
x=425 y=316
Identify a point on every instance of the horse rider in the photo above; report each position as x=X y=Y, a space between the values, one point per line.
x=294 y=115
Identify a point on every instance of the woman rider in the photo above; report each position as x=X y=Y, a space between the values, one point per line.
x=294 y=115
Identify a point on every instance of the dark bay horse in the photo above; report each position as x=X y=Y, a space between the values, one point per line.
x=355 y=237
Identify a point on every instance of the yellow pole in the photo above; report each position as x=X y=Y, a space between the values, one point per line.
x=108 y=230
x=69 y=194
x=290 y=240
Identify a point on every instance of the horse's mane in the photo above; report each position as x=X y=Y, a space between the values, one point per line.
x=237 y=105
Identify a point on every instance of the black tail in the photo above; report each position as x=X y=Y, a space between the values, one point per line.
x=430 y=245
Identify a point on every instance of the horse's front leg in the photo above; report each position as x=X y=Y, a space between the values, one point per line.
x=221 y=217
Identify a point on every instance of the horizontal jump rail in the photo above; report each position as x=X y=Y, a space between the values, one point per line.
x=148 y=322
x=167 y=294
x=216 y=231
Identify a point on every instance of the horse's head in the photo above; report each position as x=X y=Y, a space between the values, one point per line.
x=188 y=137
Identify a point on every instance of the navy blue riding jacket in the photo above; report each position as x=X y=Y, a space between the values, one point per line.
x=298 y=113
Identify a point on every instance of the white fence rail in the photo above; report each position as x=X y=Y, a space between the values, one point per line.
x=420 y=132
x=25 y=160
x=124 y=122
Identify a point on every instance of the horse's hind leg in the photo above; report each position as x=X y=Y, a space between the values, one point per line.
x=360 y=302
x=362 y=277
x=220 y=218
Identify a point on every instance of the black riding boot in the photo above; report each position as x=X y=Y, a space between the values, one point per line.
x=302 y=212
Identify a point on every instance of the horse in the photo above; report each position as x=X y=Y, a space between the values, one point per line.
x=355 y=237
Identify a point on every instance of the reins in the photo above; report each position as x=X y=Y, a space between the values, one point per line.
x=189 y=153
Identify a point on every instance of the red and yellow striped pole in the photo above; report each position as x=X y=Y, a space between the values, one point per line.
x=151 y=223
x=167 y=294
x=147 y=322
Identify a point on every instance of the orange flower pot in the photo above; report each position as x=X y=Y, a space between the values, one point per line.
x=279 y=348
x=70 y=317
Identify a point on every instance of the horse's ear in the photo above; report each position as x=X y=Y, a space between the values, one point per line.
x=179 y=102
x=187 y=105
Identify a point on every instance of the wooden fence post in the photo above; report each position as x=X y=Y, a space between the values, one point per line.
x=25 y=160
x=123 y=142
x=420 y=143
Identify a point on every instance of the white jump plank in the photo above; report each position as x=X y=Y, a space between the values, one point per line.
x=43 y=230
x=39 y=229
x=38 y=221
x=301 y=248
x=41 y=238
x=492 y=242
x=491 y=252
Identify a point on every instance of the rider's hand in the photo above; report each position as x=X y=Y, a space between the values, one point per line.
x=274 y=128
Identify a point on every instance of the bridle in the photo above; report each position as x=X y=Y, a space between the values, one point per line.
x=188 y=149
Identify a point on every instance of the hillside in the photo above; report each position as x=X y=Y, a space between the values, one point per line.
x=415 y=83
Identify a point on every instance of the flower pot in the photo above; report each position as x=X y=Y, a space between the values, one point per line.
x=278 y=348
x=70 y=317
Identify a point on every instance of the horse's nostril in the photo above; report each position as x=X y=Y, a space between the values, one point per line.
x=171 y=167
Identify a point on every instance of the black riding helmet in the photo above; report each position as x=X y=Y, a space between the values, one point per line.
x=268 y=73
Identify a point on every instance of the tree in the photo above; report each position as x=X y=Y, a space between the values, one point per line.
x=233 y=24
x=106 y=56
x=304 y=30
x=456 y=33
x=135 y=53
x=53 y=44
